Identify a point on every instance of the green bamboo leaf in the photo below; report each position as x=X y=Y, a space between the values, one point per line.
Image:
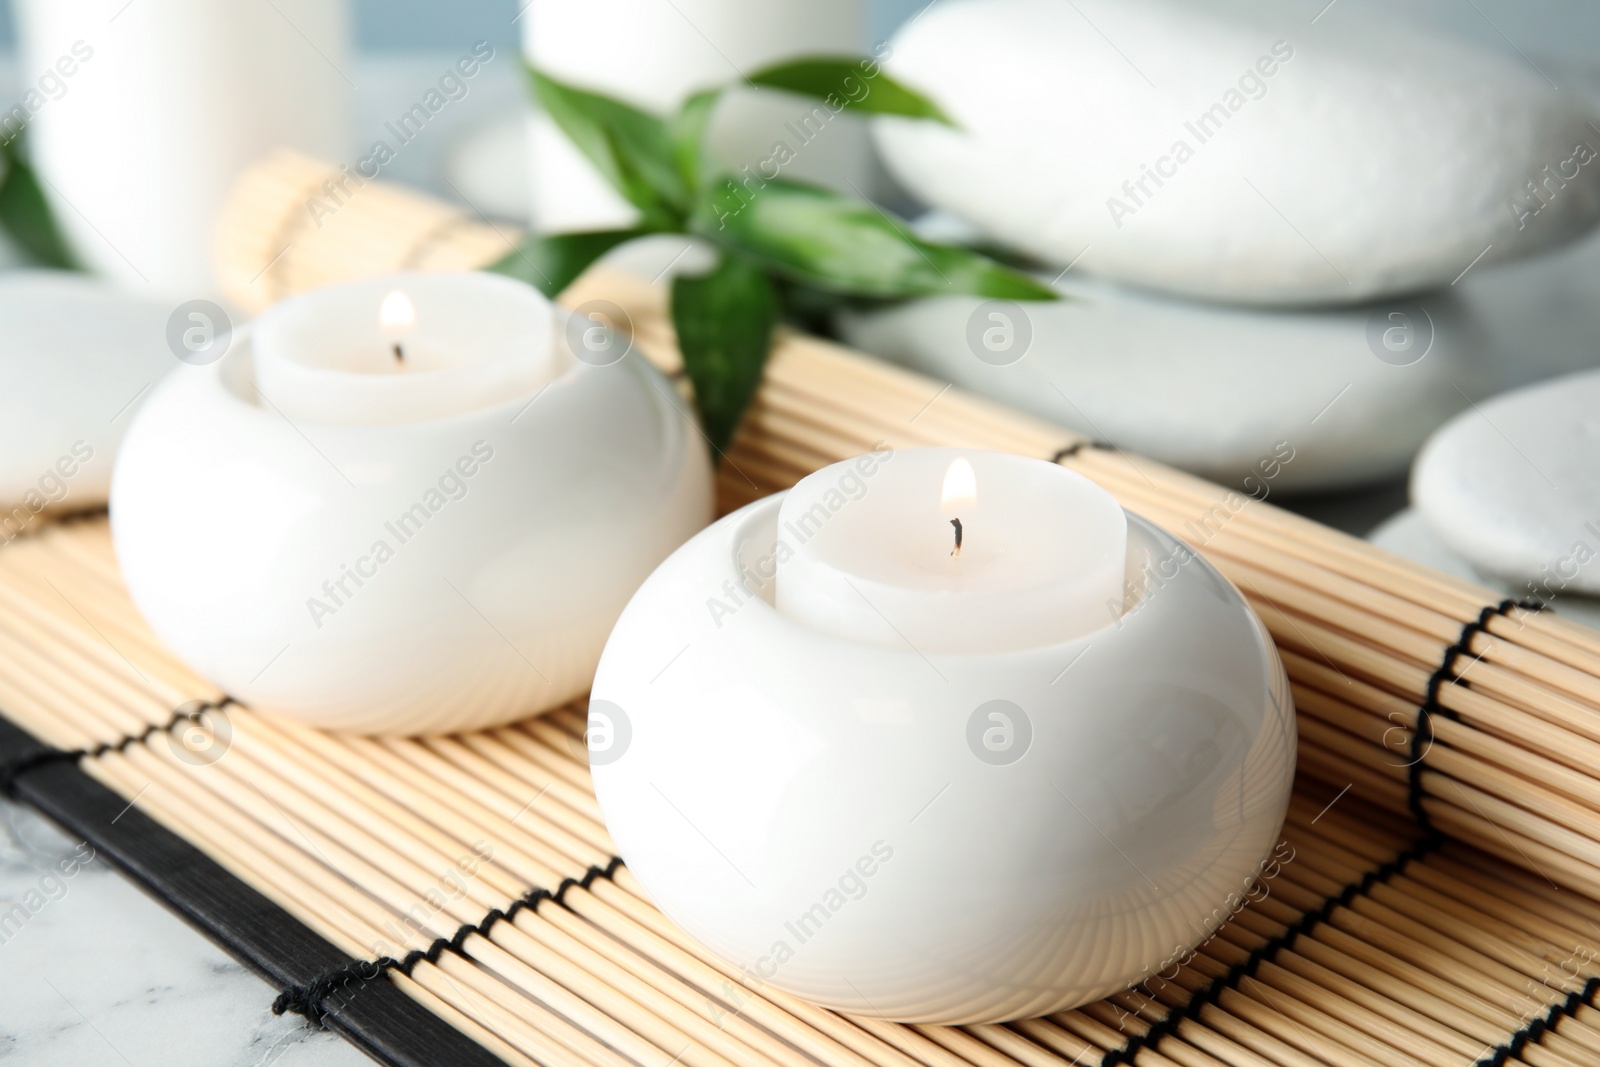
x=838 y=244
x=26 y=216
x=724 y=321
x=630 y=148
x=688 y=129
x=849 y=82
x=552 y=263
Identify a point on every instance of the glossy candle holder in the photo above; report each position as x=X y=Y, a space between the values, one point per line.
x=429 y=577
x=942 y=838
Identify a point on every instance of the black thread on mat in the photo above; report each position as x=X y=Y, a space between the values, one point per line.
x=1422 y=734
x=1263 y=953
x=12 y=770
x=1531 y=1033
x=307 y=999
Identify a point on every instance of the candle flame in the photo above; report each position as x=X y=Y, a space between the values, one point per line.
x=960 y=487
x=397 y=314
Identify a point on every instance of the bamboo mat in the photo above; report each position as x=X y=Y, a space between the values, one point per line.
x=1505 y=749
x=1361 y=946
x=1436 y=902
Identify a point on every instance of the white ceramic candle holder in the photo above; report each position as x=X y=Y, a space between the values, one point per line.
x=429 y=577
x=940 y=838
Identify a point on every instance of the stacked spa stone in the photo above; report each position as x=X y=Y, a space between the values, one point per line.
x=76 y=357
x=1508 y=493
x=1259 y=222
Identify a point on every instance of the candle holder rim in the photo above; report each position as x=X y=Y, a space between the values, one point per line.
x=554 y=318
x=1143 y=534
x=233 y=376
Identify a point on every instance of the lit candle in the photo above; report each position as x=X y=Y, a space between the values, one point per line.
x=951 y=551
x=441 y=535
x=397 y=318
x=1117 y=774
x=404 y=348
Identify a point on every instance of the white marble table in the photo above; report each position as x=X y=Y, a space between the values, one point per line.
x=102 y=974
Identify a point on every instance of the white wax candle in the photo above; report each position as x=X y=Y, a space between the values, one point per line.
x=654 y=53
x=867 y=551
x=141 y=116
x=404 y=348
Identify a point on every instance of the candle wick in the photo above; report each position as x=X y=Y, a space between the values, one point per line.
x=955 y=553
x=399 y=356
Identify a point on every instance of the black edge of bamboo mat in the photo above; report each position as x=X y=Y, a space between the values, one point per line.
x=376 y=1017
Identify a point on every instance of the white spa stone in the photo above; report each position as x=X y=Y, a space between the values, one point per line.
x=488 y=164
x=75 y=354
x=1513 y=485
x=1540 y=316
x=1342 y=161
x=1408 y=534
x=1213 y=389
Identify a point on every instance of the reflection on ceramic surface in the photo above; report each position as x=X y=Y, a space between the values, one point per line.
x=853 y=825
x=431 y=577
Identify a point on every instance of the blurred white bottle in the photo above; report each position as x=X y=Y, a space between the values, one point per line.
x=654 y=53
x=174 y=98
